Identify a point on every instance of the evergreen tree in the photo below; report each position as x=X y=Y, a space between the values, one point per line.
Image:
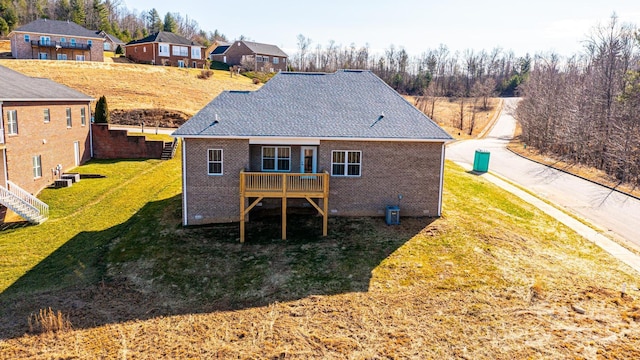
x=154 y=23
x=170 y=23
x=62 y=10
x=4 y=28
x=78 y=15
x=102 y=111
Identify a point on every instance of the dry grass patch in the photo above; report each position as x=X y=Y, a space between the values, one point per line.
x=131 y=86
x=447 y=114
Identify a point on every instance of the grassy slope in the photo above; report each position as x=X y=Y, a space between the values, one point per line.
x=129 y=86
x=492 y=278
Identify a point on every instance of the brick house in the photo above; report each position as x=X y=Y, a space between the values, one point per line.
x=111 y=42
x=346 y=143
x=252 y=55
x=56 y=40
x=165 y=48
x=44 y=130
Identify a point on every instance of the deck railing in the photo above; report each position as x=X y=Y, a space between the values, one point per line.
x=61 y=45
x=285 y=183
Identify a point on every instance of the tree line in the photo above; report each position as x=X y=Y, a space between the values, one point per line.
x=586 y=109
x=111 y=16
x=436 y=72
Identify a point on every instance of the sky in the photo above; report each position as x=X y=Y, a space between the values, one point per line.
x=532 y=27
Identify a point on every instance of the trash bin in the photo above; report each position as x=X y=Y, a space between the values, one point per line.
x=392 y=215
x=481 y=161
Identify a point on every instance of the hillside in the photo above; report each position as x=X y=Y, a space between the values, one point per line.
x=130 y=86
x=493 y=278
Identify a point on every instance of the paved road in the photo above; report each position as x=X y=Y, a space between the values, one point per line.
x=617 y=214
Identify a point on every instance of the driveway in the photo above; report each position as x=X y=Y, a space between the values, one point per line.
x=617 y=214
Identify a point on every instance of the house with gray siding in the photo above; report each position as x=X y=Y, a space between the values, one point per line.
x=344 y=143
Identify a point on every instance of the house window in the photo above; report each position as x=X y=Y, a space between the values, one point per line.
x=43 y=56
x=346 y=163
x=12 y=122
x=83 y=117
x=260 y=58
x=276 y=60
x=62 y=56
x=73 y=42
x=79 y=57
x=163 y=49
x=89 y=42
x=195 y=52
x=37 y=166
x=27 y=38
x=180 y=51
x=106 y=46
x=47 y=116
x=180 y=63
x=144 y=49
x=45 y=40
x=276 y=158
x=69 y=123
x=63 y=40
x=214 y=162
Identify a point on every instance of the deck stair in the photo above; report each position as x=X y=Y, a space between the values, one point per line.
x=169 y=150
x=24 y=204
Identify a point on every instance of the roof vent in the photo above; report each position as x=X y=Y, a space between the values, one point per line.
x=378 y=119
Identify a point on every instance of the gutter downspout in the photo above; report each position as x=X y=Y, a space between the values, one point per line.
x=90 y=131
x=441 y=181
x=184 y=182
x=4 y=151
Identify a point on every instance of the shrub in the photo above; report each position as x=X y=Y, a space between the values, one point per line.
x=47 y=321
x=102 y=111
x=256 y=81
x=205 y=74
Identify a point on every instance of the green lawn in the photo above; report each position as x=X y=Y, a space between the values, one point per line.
x=84 y=218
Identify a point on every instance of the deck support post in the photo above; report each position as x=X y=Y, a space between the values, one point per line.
x=284 y=206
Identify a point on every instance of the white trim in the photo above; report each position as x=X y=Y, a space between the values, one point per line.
x=184 y=182
x=6 y=173
x=90 y=132
x=275 y=159
x=314 y=161
x=265 y=140
x=41 y=33
x=209 y=161
x=282 y=141
x=441 y=182
x=346 y=164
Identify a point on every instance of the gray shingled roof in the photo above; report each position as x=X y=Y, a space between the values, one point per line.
x=110 y=37
x=345 y=104
x=55 y=27
x=19 y=87
x=265 y=49
x=164 y=37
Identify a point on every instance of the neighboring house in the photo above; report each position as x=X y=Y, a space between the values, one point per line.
x=165 y=48
x=254 y=56
x=56 y=40
x=366 y=146
x=216 y=44
x=44 y=130
x=219 y=50
x=111 y=42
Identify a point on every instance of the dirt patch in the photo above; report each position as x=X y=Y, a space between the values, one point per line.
x=149 y=117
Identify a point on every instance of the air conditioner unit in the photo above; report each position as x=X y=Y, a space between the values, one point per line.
x=392 y=215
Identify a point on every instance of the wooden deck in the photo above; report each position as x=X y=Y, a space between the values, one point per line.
x=262 y=185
